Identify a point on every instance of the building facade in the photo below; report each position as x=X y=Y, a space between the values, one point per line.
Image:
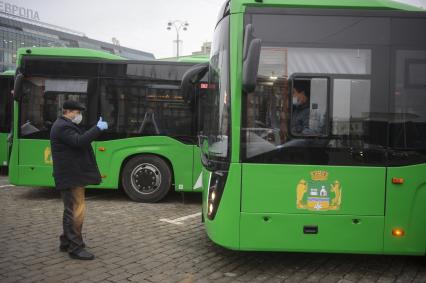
x=202 y=55
x=20 y=27
x=205 y=49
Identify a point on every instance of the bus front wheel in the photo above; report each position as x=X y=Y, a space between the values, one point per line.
x=146 y=178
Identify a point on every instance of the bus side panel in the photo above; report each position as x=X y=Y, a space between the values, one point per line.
x=180 y=155
x=406 y=209
x=35 y=163
x=224 y=230
x=3 y=149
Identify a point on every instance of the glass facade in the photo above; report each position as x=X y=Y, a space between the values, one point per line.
x=12 y=39
x=15 y=34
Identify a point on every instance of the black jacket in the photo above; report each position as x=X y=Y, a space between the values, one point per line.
x=74 y=162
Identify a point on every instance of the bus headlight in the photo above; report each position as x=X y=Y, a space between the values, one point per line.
x=211 y=207
x=211 y=204
x=215 y=190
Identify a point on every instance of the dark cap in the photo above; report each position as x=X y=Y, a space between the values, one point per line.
x=303 y=86
x=73 y=105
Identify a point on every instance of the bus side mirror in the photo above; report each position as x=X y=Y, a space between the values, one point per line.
x=191 y=77
x=17 y=88
x=252 y=47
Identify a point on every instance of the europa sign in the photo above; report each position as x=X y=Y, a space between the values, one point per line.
x=23 y=12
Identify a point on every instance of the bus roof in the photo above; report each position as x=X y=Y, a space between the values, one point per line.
x=237 y=6
x=187 y=59
x=66 y=52
x=194 y=59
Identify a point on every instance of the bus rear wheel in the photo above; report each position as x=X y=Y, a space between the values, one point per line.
x=146 y=178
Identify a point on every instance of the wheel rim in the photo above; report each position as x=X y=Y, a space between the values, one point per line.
x=146 y=178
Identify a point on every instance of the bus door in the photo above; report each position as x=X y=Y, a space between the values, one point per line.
x=6 y=103
x=147 y=115
x=46 y=85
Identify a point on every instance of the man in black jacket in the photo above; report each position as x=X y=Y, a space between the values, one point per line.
x=74 y=167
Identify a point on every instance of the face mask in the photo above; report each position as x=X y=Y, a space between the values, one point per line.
x=295 y=101
x=77 y=119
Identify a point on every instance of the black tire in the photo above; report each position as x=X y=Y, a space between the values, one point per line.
x=146 y=178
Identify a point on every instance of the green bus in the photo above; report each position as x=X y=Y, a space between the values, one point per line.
x=6 y=87
x=150 y=145
x=315 y=135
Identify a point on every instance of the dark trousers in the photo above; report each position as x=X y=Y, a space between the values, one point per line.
x=74 y=211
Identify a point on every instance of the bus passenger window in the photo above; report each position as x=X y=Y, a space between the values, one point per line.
x=352 y=115
x=136 y=107
x=43 y=105
x=309 y=107
x=408 y=126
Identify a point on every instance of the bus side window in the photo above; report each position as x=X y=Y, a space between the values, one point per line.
x=352 y=115
x=309 y=106
x=40 y=108
x=408 y=126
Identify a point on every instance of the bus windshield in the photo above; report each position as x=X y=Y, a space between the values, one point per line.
x=322 y=95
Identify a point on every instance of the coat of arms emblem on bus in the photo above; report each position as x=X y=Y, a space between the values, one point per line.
x=319 y=194
x=48 y=156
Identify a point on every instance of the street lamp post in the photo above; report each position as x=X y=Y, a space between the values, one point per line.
x=178 y=25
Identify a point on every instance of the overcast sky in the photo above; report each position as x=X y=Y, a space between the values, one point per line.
x=139 y=24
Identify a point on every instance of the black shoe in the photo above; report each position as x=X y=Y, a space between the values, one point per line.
x=81 y=254
x=64 y=248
